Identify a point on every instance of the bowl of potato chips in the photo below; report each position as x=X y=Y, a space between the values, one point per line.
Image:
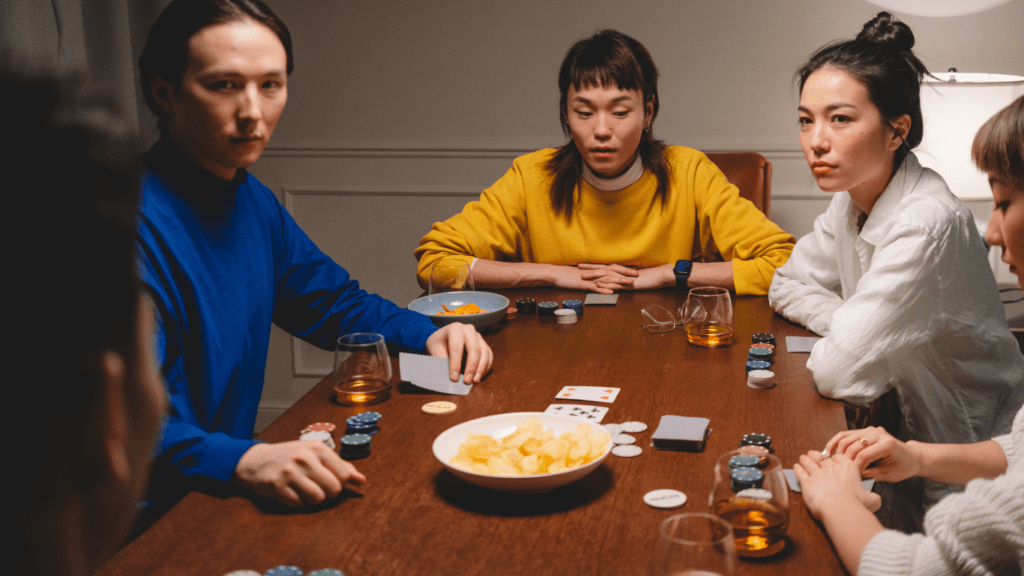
x=523 y=452
x=469 y=307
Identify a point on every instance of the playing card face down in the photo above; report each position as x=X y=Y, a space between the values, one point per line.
x=431 y=373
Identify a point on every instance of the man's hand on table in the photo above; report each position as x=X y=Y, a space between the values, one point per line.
x=294 y=473
x=454 y=339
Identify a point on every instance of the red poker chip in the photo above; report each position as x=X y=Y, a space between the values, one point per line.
x=319 y=427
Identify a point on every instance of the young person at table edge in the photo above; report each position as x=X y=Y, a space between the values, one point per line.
x=86 y=400
x=894 y=275
x=225 y=259
x=982 y=530
x=613 y=209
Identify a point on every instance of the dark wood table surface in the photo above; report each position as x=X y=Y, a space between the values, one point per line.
x=414 y=517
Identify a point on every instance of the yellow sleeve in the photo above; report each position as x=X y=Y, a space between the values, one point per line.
x=733 y=227
x=492 y=227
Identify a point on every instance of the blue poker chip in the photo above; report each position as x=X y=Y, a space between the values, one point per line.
x=326 y=572
x=759 y=354
x=743 y=461
x=757 y=365
x=547 y=308
x=746 y=477
x=284 y=571
x=369 y=417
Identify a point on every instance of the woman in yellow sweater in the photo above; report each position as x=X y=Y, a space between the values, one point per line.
x=614 y=208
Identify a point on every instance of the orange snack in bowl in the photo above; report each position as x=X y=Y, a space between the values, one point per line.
x=470 y=308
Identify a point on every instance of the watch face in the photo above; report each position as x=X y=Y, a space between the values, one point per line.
x=683 y=267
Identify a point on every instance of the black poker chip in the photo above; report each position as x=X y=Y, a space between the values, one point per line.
x=763 y=337
x=756 y=439
x=526 y=305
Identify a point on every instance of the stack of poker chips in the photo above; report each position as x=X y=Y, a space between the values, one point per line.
x=320 y=432
x=547 y=308
x=355 y=446
x=746 y=477
x=760 y=452
x=363 y=423
x=565 y=316
x=756 y=439
x=761 y=379
x=526 y=306
x=757 y=365
x=575 y=305
x=763 y=338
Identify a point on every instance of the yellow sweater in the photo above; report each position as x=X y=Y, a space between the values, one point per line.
x=704 y=219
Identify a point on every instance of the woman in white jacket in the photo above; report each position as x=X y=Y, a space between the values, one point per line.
x=894 y=276
x=982 y=530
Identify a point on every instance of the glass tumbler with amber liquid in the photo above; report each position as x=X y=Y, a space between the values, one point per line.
x=750 y=493
x=707 y=317
x=362 y=369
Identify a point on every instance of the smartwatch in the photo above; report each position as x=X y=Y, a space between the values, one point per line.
x=682 y=272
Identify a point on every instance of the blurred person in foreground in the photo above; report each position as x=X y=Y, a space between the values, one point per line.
x=226 y=260
x=979 y=531
x=85 y=396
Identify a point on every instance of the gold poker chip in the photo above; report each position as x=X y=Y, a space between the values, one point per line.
x=440 y=407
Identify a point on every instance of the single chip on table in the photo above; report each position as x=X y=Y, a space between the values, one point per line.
x=440 y=407
x=614 y=428
x=633 y=427
x=627 y=450
x=665 y=499
x=622 y=439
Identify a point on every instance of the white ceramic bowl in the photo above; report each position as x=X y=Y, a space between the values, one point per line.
x=495 y=305
x=500 y=425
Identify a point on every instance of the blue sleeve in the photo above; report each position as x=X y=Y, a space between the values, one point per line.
x=317 y=300
x=185 y=448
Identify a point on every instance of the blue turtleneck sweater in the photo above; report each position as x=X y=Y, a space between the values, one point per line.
x=225 y=260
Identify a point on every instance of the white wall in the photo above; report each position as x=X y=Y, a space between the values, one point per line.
x=402 y=111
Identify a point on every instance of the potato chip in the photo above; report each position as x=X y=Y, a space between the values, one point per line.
x=531 y=449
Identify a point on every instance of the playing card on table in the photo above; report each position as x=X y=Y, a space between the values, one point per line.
x=605 y=299
x=794 y=484
x=588 y=393
x=592 y=413
x=800 y=343
x=430 y=372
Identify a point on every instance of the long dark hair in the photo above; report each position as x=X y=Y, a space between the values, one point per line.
x=166 y=51
x=881 y=58
x=607 y=58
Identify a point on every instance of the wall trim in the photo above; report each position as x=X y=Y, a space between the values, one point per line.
x=406 y=150
x=299 y=367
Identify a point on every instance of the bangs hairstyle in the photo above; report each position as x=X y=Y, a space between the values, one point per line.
x=608 y=58
x=998 y=147
x=166 y=51
x=880 y=57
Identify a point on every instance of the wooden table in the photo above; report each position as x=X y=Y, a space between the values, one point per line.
x=414 y=517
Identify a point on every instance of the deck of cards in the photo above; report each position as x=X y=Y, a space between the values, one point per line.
x=681 y=433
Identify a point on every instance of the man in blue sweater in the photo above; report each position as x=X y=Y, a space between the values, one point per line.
x=226 y=260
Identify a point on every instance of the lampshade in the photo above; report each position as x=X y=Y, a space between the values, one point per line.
x=939 y=8
x=954 y=106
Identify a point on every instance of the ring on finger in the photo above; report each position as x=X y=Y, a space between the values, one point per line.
x=865 y=442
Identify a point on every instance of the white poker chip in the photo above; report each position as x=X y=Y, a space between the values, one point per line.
x=244 y=573
x=755 y=493
x=622 y=439
x=613 y=428
x=633 y=427
x=565 y=316
x=761 y=379
x=627 y=450
x=665 y=499
x=320 y=436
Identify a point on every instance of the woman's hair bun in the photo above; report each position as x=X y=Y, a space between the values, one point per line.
x=885 y=29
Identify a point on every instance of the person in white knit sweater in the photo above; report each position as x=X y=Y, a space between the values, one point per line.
x=978 y=531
